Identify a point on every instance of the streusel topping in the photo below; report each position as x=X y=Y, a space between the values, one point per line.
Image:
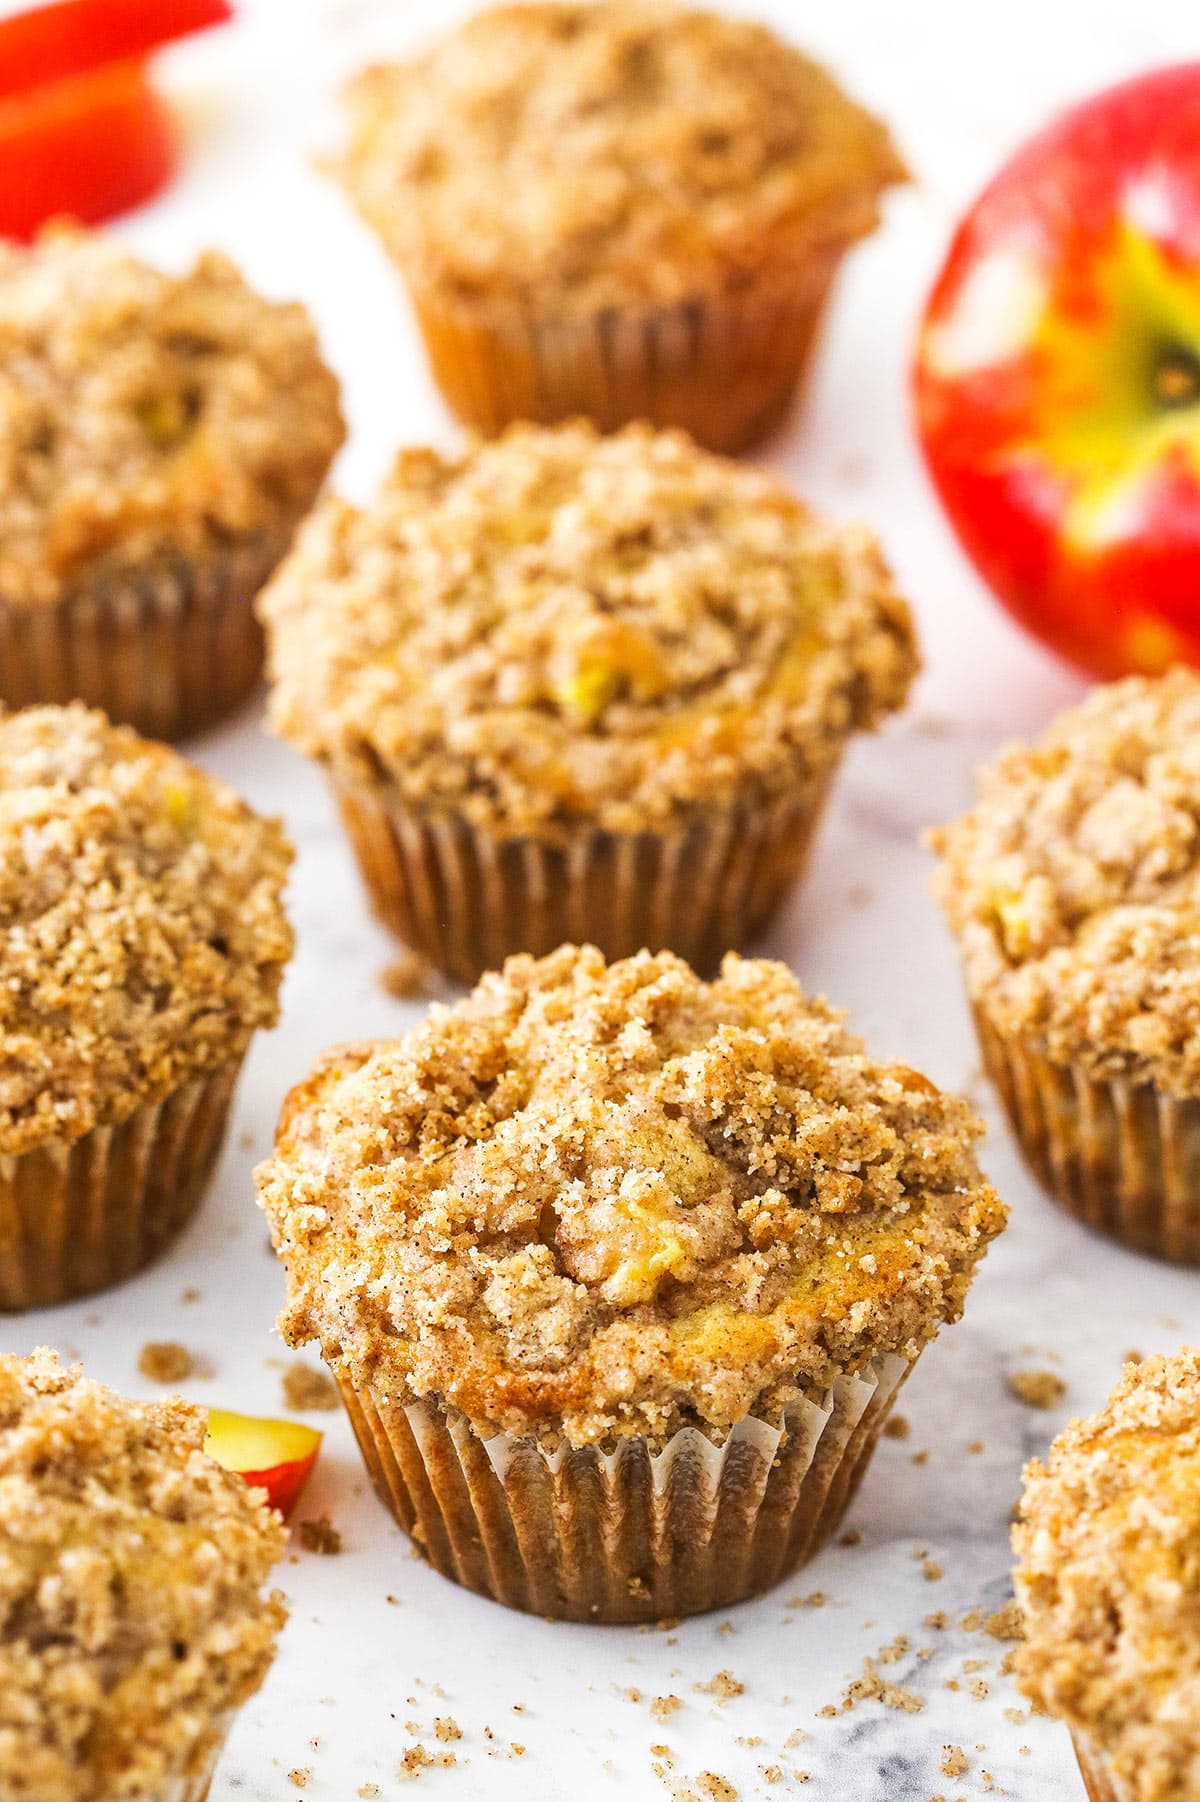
x=561 y=624
x=147 y=417
x=594 y=1199
x=1109 y=1576
x=602 y=153
x=142 y=933
x=131 y=1569
x=1074 y=885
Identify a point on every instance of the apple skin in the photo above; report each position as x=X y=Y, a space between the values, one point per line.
x=1056 y=379
x=275 y=1455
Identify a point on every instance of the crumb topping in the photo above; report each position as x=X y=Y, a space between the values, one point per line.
x=146 y=416
x=131 y=1567
x=1108 y=1543
x=597 y=154
x=1074 y=885
x=595 y=1199
x=562 y=624
x=142 y=934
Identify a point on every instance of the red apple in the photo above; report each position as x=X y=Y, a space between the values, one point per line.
x=1057 y=379
x=275 y=1455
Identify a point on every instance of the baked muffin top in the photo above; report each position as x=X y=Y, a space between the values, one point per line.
x=605 y=153
x=594 y=1199
x=131 y=1567
x=142 y=934
x=147 y=417
x=1074 y=885
x=1108 y=1543
x=560 y=624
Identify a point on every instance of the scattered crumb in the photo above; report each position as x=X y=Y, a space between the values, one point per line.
x=190 y=1296
x=369 y=1790
x=246 y=1139
x=979 y=1689
x=1006 y=1623
x=853 y=1537
x=772 y=1773
x=663 y=1707
x=817 y=1599
x=1016 y=1716
x=796 y=1737
x=972 y=1621
x=408 y=977
x=719 y=1788
x=308 y=1391
x=320 y=1535
x=897 y=1426
x=447 y=1728
x=724 y=1686
x=954 y=1761
x=1133 y=1357
x=871 y=1687
x=920 y=1458
x=299 y=1777
x=938 y=1622
x=930 y=1569
x=976 y=1447
x=893 y=1653
x=1037 y=1388
x=165 y=1361
x=749 y=1740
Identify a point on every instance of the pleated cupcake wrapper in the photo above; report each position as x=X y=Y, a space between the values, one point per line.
x=196 y=1787
x=169 y=650
x=723 y=365
x=467 y=899
x=80 y=1215
x=1101 y=1785
x=632 y=1534
x=1123 y=1157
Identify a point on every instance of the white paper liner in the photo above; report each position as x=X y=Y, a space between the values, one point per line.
x=1122 y=1157
x=467 y=899
x=1101 y=1785
x=629 y=1534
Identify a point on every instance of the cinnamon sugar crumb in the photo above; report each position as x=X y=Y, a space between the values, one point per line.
x=724 y=1686
x=897 y=1426
x=320 y=1535
x=408 y=977
x=1037 y=1388
x=166 y=1361
x=954 y=1762
x=309 y=1391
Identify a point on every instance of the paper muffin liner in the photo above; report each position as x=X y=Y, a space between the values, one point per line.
x=168 y=650
x=80 y=1215
x=627 y=1535
x=466 y=898
x=1123 y=1157
x=723 y=365
x=1100 y=1784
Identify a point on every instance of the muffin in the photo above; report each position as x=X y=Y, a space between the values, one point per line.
x=619 y=1272
x=1074 y=890
x=624 y=210
x=132 y=1619
x=142 y=940
x=586 y=688
x=160 y=439
x=1108 y=1544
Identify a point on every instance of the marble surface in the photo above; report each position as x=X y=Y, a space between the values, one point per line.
x=378 y=1645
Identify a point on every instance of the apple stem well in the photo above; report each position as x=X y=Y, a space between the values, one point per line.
x=1177 y=378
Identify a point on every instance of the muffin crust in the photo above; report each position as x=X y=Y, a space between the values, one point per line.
x=643 y=152
x=131 y=1566
x=147 y=417
x=1074 y=885
x=142 y=934
x=1109 y=1548
x=600 y=1199
x=563 y=625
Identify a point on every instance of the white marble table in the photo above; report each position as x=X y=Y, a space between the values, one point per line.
x=376 y=1640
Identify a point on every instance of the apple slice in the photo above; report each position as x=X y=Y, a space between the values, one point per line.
x=275 y=1455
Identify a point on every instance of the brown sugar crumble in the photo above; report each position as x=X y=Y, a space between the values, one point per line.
x=1073 y=885
x=666 y=140
x=146 y=417
x=624 y=629
x=1108 y=1543
x=725 y=1687
x=1037 y=1388
x=321 y=1536
x=954 y=1761
x=408 y=977
x=119 y=1541
x=307 y=1390
x=166 y=1361
x=763 y=1207
x=896 y=1426
x=142 y=934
